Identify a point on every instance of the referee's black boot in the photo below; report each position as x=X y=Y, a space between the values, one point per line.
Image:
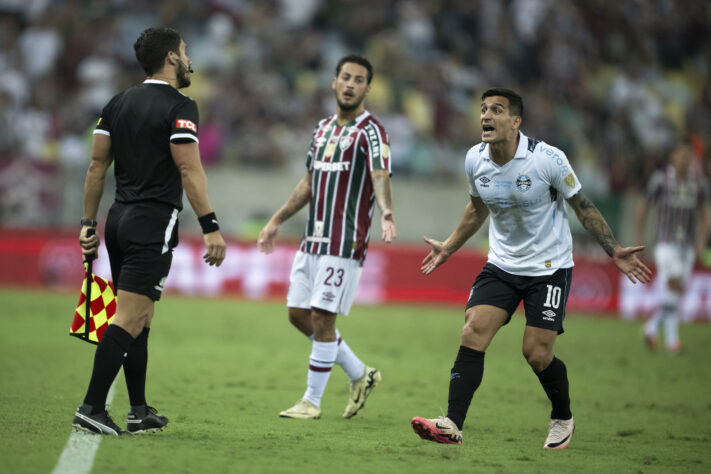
x=145 y=419
x=98 y=423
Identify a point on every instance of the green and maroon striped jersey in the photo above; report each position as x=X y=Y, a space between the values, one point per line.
x=342 y=199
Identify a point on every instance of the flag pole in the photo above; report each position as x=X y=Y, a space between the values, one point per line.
x=88 y=259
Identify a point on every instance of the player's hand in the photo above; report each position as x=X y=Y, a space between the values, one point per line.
x=387 y=223
x=215 y=248
x=437 y=256
x=631 y=265
x=89 y=243
x=266 y=238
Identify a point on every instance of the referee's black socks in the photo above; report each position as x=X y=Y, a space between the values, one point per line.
x=554 y=380
x=110 y=354
x=464 y=379
x=134 y=369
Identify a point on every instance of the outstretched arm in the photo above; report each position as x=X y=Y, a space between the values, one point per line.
x=475 y=213
x=383 y=197
x=624 y=258
x=298 y=199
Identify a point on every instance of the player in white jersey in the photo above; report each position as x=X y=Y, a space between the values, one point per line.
x=348 y=172
x=680 y=195
x=522 y=184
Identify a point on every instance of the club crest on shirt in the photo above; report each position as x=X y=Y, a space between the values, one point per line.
x=345 y=142
x=523 y=182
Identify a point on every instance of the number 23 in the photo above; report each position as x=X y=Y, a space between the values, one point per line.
x=338 y=274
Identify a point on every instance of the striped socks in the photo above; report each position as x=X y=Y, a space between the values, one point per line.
x=323 y=356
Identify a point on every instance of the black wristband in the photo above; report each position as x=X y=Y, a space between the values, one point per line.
x=208 y=222
x=88 y=222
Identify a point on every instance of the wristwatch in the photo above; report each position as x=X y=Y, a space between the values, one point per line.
x=88 y=222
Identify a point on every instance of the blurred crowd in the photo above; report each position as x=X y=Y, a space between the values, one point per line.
x=613 y=84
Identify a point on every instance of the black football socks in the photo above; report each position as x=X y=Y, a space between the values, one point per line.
x=464 y=379
x=109 y=356
x=554 y=380
x=134 y=369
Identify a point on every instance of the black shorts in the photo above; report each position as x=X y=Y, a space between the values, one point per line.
x=140 y=238
x=544 y=297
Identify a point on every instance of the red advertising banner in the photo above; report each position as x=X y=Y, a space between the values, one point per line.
x=49 y=258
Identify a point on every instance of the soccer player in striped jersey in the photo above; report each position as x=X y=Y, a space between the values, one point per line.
x=347 y=174
x=523 y=184
x=680 y=194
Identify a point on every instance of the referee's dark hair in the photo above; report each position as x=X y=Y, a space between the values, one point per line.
x=352 y=58
x=515 y=100
x=153 y=45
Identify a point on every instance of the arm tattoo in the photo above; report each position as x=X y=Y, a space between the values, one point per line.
x=594 y=223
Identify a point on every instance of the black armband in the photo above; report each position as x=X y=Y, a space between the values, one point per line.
x=88 y=223
x=208 y=222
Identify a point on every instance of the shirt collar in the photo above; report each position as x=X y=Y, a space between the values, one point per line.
x=155 y=81
x=521 y=150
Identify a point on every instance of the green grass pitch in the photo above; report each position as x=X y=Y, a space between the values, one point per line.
x=221 y=370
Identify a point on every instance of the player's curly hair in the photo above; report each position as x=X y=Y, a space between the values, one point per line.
x=352 y=58
x=153 y=45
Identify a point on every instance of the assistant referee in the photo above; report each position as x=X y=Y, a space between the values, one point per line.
x=150 y=133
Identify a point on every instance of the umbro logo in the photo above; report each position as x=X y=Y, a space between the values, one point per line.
x=484 y=181
x=549 y=315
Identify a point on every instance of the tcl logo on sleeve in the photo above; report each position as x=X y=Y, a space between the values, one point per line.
x=182 y=123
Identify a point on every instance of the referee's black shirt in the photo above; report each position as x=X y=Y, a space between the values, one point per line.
x=142 y=121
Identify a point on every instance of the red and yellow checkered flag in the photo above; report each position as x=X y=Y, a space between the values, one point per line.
x=97 y=304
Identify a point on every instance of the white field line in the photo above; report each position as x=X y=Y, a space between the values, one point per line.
x=78 y=454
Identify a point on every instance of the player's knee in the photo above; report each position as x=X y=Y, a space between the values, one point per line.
x=475 y=336
x=324 y=325
x=538 y=357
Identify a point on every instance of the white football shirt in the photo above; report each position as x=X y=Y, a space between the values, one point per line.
x=529 y=234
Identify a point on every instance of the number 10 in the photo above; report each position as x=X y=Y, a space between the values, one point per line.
x=553 y=297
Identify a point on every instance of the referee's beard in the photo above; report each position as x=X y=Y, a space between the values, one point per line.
x=183 y=76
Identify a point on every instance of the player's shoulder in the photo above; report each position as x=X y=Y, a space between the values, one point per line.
x=368 y=119
x=325 y=120
x=537 y=147
x=118 y=98
x=477 y=153
x=369 y=122
x=167 y=90
x=545 y=155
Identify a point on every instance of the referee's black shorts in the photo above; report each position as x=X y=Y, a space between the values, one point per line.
x=140 y=238
x=544 y=297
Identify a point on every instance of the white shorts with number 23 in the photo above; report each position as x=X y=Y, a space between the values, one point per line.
x=323 y=281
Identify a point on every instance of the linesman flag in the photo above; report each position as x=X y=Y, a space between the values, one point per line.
x=97 y=305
